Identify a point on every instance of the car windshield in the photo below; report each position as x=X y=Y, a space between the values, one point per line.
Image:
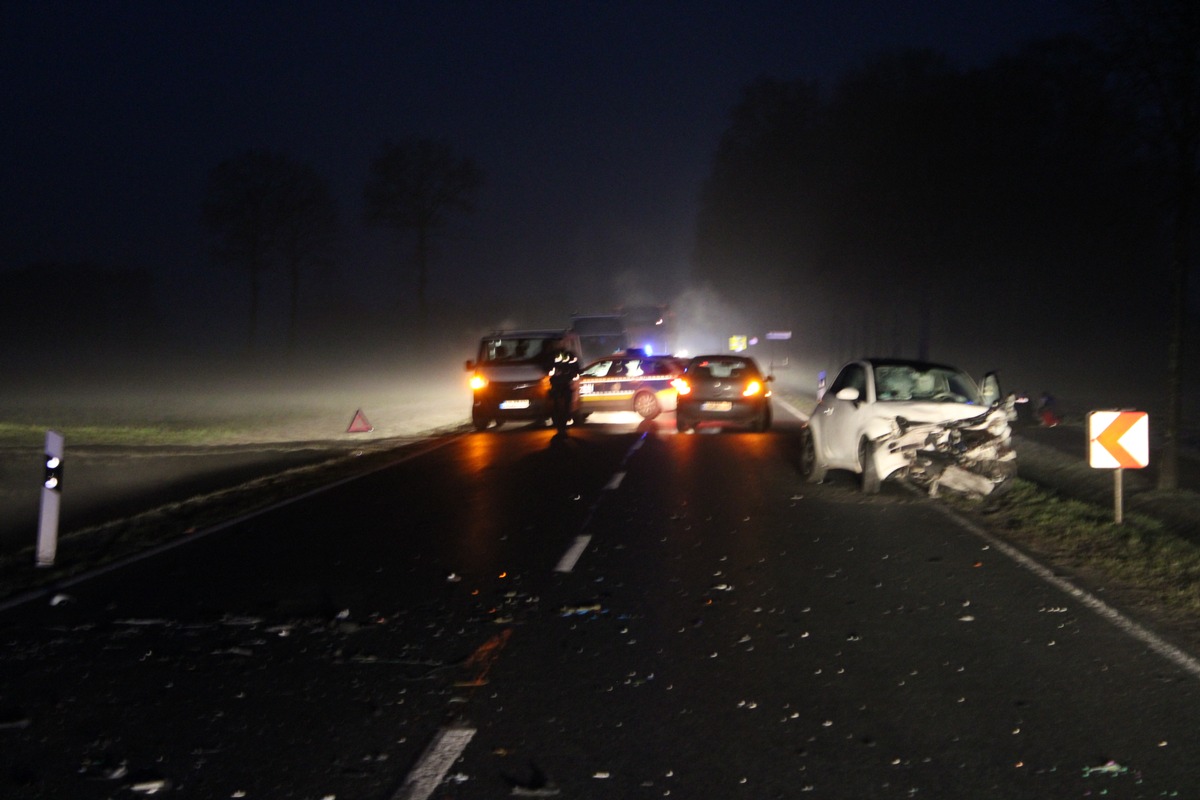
x=513 y=349
x=908 y=382
x=722 y=368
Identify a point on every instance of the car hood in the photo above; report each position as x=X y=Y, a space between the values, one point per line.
x=923 y=412
x=511 y=373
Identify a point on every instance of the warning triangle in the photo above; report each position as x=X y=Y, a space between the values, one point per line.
x=359 y=424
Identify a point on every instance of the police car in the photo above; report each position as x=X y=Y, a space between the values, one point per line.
x=629 y=381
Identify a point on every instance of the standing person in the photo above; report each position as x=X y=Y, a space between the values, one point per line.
x=564 y=373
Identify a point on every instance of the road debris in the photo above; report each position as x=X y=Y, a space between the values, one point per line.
x=1112 y=769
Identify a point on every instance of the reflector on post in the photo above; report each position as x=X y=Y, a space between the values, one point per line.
x=47 y=541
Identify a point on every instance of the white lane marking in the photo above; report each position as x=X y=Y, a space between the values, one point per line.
x=437 y=759
x=791 y=409
x=569 y=559
x=1123 y=623
x=567 y=562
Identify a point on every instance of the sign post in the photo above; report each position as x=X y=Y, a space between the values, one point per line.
x=47 y=542
x=1118 y=440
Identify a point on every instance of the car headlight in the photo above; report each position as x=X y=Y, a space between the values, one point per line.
x=478 y=382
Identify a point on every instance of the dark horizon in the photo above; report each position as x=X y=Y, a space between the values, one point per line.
x=597 y=128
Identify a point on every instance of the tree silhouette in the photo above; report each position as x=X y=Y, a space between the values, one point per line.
x=265 y=209
x=913 y=192
x=1156 y=44
x=414 y=187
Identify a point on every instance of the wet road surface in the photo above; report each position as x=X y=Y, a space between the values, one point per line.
x=624 y=613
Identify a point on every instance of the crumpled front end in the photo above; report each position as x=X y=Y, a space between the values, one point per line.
x=972 y=456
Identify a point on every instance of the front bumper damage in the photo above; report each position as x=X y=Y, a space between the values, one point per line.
x=971 y=456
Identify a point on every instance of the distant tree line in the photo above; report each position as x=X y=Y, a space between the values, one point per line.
x=915 y=194
x=913 y=184
x=266 y=212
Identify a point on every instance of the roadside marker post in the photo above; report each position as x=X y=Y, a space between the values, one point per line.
x=47 y=541
x=1118 y=440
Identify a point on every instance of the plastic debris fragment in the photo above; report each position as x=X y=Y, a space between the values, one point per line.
x=580 y=610
x=151 y=786
x=1111 y=769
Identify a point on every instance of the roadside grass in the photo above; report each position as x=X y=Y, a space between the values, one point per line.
x=30 y=435
x=1141 y=555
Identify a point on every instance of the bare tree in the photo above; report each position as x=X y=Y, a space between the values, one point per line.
x=307 y=231
x=265 y=209
x=414 y=187
x=1156 y=44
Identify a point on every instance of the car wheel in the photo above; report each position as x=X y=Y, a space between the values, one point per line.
x=764 y=419
x=683 y=424
x=646 y=405
x=870 y=474
x=809 y=468
x=480 y=422
x=580 y=418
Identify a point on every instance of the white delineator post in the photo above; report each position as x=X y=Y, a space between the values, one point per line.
x=47 y=543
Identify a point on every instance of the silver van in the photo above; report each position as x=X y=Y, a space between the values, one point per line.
x=509 y=375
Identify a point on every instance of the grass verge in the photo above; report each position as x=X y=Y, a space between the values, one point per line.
x=21 y=434
x=1140 y=557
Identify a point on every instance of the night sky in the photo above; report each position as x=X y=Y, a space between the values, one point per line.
x=595 y=123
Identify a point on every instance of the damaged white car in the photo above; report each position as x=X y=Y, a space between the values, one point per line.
x=928 y=423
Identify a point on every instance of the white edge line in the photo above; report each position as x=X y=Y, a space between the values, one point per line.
x=615 y=481
x=567 y=562
x=791 y=409
x=1122 y=622
x=434 y=763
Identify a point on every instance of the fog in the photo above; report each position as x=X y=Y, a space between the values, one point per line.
x=877 y=181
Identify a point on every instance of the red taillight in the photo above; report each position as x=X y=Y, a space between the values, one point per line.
x=681 y=386
x=752 y=388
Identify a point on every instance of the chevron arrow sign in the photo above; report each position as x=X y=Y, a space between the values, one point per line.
x=1118 y=439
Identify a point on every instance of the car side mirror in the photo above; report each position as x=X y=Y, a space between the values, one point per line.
x=849 y=394
x=991 y=389
x=470 y=365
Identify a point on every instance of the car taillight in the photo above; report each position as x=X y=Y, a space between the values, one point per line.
x=478 y=382
x=681 y=386
x=752 y=388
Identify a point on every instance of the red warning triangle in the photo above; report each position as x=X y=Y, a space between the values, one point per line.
x=359 y=424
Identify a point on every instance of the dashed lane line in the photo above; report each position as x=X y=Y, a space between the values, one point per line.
x=434 y=763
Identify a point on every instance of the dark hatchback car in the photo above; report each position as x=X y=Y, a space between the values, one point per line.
x=630 y=381
x=723 y=388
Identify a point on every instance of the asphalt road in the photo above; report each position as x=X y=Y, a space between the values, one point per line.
x=106 y=483
x=626 y=613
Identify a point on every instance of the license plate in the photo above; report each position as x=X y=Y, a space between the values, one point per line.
x=514 y=404
x=717 y=405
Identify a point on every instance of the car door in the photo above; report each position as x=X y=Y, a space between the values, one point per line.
x=843 y=409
